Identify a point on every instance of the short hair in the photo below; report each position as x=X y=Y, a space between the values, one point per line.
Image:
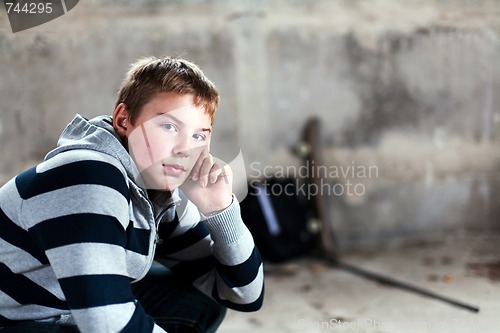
x=152 y=75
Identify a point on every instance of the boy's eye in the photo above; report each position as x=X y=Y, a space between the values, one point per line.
x=169 y=127
x=199 y=137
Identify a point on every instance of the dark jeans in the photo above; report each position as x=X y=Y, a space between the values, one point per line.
x=176 y=307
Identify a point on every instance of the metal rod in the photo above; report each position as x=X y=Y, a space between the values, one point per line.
x=402 y=285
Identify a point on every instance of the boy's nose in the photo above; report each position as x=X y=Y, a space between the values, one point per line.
x=182 y=148
x=181 y=153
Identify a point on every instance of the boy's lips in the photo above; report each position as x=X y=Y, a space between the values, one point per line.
x=173 y=169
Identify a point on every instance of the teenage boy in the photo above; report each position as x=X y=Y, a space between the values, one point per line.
x=79 y=232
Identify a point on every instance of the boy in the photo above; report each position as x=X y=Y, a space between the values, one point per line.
x=117 y=193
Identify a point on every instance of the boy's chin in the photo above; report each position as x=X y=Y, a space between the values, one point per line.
x=162 y=187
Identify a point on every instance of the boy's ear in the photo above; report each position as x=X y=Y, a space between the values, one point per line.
x=121 y=120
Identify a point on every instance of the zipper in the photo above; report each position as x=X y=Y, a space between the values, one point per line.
x=157 y=240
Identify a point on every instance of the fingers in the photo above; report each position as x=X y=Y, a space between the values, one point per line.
x=195 y=172
x=215 y=173
x=207 y=170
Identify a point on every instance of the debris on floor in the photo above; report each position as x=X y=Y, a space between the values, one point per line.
x=307 y=295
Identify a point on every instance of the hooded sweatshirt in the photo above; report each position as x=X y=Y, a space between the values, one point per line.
x=78 y=228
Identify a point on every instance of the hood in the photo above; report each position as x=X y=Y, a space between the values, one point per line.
x=96 y=134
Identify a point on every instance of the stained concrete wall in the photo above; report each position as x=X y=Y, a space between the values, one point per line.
x=406 y=89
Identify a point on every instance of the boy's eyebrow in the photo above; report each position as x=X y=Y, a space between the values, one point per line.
x=180 y=121
x=166 y=114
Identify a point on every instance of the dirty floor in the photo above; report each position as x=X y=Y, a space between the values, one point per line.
x=308 y=295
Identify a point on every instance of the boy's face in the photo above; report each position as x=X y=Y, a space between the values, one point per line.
x=167 y=139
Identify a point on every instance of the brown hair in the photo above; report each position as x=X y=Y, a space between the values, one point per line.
x=150 y=76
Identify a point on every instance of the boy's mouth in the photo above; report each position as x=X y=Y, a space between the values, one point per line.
x=173 y=170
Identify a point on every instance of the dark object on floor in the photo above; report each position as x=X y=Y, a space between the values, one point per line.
x=277 y=220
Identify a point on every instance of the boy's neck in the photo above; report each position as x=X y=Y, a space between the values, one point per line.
x=155 y=194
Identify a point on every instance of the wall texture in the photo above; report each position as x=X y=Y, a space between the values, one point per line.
x=407 y=92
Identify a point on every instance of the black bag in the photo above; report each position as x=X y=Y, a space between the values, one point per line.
x=277 y=219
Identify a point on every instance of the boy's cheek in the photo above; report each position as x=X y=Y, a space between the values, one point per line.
x=158 y=146
x=140 y=157
x=196 y=152
x=139 y=150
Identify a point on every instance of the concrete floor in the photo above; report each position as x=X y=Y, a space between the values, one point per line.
x=308 y=296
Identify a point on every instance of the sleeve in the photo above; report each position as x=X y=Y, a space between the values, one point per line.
x=217 y=255
x=77 y=213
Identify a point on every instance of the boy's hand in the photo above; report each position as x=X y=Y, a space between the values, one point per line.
x=210 y=185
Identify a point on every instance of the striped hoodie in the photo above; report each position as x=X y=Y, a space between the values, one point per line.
x=77 y=229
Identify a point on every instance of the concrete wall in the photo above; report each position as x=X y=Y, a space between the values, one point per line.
x=406 y=89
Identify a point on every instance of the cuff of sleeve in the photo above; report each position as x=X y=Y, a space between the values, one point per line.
x=226 y=226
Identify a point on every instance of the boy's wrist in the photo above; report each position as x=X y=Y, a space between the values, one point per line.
x=217 y=209
x=227 y=226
